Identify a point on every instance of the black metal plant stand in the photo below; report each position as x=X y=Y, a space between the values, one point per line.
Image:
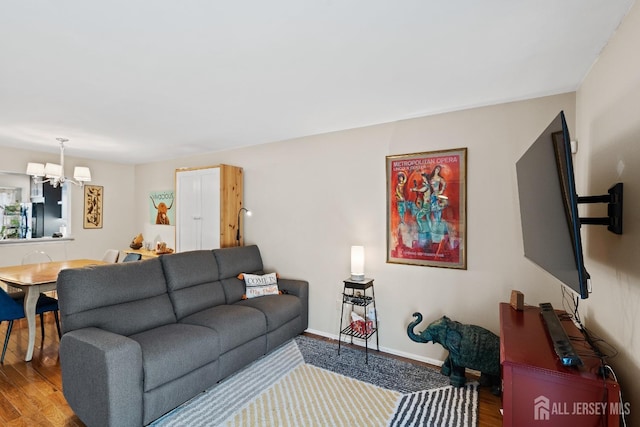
x=355 y=293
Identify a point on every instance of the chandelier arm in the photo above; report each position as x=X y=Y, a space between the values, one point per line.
x=44 y=181
x=79 y=184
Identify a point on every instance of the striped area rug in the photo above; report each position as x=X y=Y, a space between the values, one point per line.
x=280 y=389
x=214 y=406
x=446 y=406
x=311 y=396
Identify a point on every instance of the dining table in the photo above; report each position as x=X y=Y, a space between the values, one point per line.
x=34 y=279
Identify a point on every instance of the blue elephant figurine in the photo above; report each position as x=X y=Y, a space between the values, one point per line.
x=469 y=346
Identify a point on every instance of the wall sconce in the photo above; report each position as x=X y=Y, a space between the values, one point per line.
x=54 y=173
x=357 y=263
x=248 y=213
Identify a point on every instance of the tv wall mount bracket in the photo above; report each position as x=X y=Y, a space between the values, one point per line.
x=614 y=209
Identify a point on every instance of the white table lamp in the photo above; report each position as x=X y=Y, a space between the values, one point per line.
x=357 y=263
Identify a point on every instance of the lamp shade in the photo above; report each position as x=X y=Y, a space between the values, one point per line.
x=52 y=170
x=82 y=174
x=35 y=169
x=357 y=263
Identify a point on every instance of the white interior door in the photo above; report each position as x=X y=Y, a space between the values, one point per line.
x=198 y=209
x=210 y=208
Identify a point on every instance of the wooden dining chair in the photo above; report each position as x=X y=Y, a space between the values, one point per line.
x=12 y=308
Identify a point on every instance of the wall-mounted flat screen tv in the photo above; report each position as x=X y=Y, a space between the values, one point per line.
x=549 y=207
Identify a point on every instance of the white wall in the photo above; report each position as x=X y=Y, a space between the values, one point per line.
x=314 y=197
x=118 y=228
x=608 y=132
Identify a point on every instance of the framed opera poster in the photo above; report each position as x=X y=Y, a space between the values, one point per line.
x=426 y=208
x=93 y=195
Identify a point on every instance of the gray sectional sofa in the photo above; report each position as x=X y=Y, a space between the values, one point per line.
x=141 y=338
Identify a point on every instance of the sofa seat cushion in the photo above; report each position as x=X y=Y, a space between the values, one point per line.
x=235 y=325
x=278 y=309
x=171 y=351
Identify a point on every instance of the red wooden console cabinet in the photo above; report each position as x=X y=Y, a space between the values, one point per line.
x=538 y=390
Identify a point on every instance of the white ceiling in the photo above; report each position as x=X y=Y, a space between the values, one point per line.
x=135 y=81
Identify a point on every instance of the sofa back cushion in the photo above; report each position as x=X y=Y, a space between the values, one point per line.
x=232 y=262
x=192 y=281
x=123 y=298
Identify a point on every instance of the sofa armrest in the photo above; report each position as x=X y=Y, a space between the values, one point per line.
x=102 y=377
x=299 y=288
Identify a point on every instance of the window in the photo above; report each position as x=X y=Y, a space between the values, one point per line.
x=31 y=210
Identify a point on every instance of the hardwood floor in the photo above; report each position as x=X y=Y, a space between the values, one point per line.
x=31 y=392
x=489 y=409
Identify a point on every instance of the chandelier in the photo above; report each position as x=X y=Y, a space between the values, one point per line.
x=54 y=173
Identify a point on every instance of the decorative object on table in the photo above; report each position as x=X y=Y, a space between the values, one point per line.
x=161 y=208
x=161 y=248
x=54 y=173
x=517 y=300
x=93 y=195
x=469 y=346
x=357 y=263
x=136 y=243
x=361 y=326
x=426 y=208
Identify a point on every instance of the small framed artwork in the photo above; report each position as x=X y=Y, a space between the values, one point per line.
x=426 y=208
x=93 y=195
x=161 y=209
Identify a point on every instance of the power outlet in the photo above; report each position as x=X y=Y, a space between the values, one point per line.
x=574 y=146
